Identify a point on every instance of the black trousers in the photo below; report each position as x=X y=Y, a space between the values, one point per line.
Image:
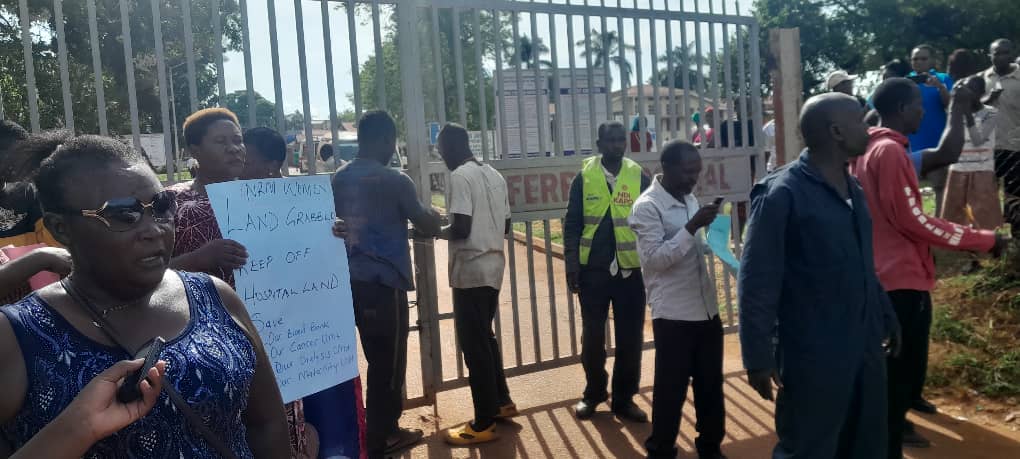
x=907 y=371
x=1007 y=168
x=381 y=315
x=687 y=351
x=473 y=312
x=599 y=289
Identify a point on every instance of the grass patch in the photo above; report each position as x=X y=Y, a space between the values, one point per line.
x=538 y=230
x=976 y=329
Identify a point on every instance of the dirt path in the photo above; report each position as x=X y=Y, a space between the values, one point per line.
x=547 y=427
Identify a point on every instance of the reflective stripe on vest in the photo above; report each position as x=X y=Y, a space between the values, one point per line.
x=598 y=200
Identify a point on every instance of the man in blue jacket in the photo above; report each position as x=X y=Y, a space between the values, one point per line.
x=813 y=315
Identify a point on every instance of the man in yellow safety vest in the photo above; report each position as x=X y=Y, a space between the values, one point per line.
x=602 y=267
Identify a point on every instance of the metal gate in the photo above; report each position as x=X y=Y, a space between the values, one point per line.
x=531 y=79
x=710 y=58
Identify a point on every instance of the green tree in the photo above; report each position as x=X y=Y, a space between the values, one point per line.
x=110 y=44
x=265 y=111
x=685 y=60
x=492 y=30
x=606 y=47
x=860 y=35
x=527 y=52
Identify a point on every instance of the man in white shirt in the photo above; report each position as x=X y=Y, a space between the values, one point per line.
x=479 y=212
x=1002 y=80
x=685 y=316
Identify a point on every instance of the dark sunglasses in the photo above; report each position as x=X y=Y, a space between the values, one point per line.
x=123 y=214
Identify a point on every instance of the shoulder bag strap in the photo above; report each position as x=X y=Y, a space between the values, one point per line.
x=192 y=418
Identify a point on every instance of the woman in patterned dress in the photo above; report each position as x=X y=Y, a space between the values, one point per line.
x=214 y=138
x=119 y=231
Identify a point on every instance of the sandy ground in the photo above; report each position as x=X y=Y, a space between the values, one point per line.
x=547 y=426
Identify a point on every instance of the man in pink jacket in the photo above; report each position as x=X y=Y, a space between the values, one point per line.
x=903 y=237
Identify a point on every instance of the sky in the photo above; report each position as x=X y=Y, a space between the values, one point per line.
x=340 y=45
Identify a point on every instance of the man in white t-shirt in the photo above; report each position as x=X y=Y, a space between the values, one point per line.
x=479 y=210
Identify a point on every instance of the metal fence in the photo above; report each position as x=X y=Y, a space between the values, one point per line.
x=532 y=79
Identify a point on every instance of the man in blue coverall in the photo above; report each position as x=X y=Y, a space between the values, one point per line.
x=813 y=316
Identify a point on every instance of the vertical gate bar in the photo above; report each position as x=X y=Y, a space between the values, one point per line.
x=535 y=332
x=685 y=79
x=742 y=71
x=742 y=88
x=164 y=101
x=674 y=113
x=657 y=101
x=97 y=68
x=755 y=70
x=249 y=77
x=713 y=75
x=624 y=82
x=592 y=122
x=2 y=105
x=327 y=42
x=129 y=68
x=411 y=89
x=540 y=85
x=550 y=279
x=701 y=80
x=520 y=86
x=65 y=76
x=571 y=316
x=189 y=52
x=299 y=19
x=557 y=138
x=726 y=282
x=641 y=108
x=498 y=91
x=274 y=48
x=458 y=67
x=605 y=62
x=352 y=37
x=727 y=69
x=483 y=110
x=437 y=60
x=26 y=43
x=572 y=61
x=216 y=16
x=512 y=262
x=380 y=68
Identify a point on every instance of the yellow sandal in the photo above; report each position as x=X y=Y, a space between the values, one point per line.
x=466 y=435
x=507 y=411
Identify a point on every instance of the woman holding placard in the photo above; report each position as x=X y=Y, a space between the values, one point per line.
x=119 y=299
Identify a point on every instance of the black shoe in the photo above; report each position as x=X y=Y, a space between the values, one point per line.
x=402 y=439
x=630 y=412
x=923 y=406
x=585 y=408
x=912 y=439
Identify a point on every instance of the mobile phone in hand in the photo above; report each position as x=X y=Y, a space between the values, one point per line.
x=130 y=391
x=919 y=79
x=718 y=201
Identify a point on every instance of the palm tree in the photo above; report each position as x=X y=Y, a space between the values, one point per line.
x=685 y=60
x=605 y=47
x=526 y=52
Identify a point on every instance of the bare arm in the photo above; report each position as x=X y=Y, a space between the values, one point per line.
x=14 y=383
x=19 y=271
x=265 y=418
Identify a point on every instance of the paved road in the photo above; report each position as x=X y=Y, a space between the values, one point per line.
x=547 y=427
